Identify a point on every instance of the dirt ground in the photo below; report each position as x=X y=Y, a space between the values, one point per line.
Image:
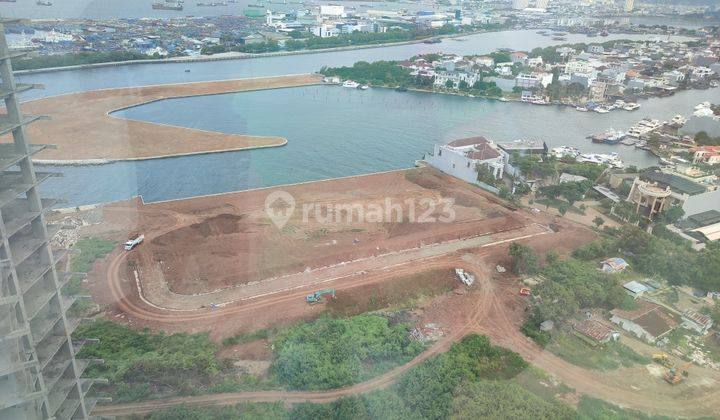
x=226 y=241
x=83 y=130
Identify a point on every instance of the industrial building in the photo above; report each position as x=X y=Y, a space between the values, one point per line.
x=39 y=375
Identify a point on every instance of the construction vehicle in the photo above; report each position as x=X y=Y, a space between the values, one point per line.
x=676 y=375
x=662 y=359
x=133 y=241
x=318 y=296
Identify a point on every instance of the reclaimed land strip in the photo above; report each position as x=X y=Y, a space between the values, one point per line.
x=85 y=133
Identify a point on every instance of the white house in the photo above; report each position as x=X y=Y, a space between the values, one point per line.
x=442 y=77
x=461 y=158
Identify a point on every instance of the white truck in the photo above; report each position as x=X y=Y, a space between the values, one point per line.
x=133 y=242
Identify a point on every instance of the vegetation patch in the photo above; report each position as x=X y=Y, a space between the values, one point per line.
x=335 y=352
x=142 y=364
x=243 y=338
x=90 y=249
x=609 y=356
x=403 y=291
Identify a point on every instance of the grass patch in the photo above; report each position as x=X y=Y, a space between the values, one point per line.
x=595 y=409
x=334 y=352
x=608 y=356
x=404 y=291
x=90 y=249
x=243 y=338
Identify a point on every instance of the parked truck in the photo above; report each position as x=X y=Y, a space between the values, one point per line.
x=134 y=241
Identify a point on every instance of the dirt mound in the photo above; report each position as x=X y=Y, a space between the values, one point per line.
x=222 y=224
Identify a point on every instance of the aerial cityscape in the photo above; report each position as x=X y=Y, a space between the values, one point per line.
x=360 y=209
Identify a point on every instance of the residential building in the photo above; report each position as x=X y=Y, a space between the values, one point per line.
x=697 y=322
x=614 y=265
x=706 y=154
x=461 y=158
x=527 y=81
x=442 y=78
x=649 y=321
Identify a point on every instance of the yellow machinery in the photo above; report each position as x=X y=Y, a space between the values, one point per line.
x=662 y=359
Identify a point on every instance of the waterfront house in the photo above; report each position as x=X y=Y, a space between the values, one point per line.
x=461 y=158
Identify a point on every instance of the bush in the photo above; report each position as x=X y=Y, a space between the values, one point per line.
x=335 y=352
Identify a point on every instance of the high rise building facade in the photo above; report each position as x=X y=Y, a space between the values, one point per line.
x=39 y=375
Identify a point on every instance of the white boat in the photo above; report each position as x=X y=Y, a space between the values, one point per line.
x=631 y=106
x=350 y=84
x=565 y=151
x=601 y=110
x=678 y=121
x=364 y=87
x=702 y=105
x=644 y=126
x=611 y=159
x=581 y=109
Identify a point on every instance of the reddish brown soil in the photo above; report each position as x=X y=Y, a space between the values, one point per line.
x=224 y=241
x=254 y=350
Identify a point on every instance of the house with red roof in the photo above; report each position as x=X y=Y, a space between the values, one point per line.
x=706 y=154
x=461 y=158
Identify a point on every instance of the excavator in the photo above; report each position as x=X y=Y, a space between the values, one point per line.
x=318 y=296
x=662 y=359
x=675 y=376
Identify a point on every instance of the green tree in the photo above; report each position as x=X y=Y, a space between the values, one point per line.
x=525 y=261
x=598 y=221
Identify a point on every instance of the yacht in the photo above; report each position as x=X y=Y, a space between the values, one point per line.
x=363 y=87
x=602 y=110
x=565 y=151
x=678 y=121
x=581 y=109
x=631 y=106
x=644 y=126
x=350 y=84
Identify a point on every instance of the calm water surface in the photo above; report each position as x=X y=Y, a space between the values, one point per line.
x=334 y=132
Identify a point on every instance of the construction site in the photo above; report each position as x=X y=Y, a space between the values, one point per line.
x=218 y=264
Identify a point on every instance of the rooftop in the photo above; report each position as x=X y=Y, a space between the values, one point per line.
x=676 y=183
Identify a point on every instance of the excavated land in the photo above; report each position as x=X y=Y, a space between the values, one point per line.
x=233 y=242
x=85 y=132
x=477 y=241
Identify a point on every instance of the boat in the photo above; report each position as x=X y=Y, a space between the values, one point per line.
x=678 y=120
x=432 y=41
x=401 y=89
x=167 y=6
x=44 y=3
x=631 y=106
x=350 y=84
x=213 y=4
x=187 y=70
x=581 y=109
x=559 y=38
x=644 y=126
x=608 y=136
x=565 y=151
x=363 y=87
x=8 y=1
x=612 y=159
x=601 y=110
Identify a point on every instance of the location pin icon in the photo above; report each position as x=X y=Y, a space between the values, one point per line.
x=279 y=206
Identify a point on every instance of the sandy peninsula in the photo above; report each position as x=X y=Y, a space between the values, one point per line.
x=85 y=133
